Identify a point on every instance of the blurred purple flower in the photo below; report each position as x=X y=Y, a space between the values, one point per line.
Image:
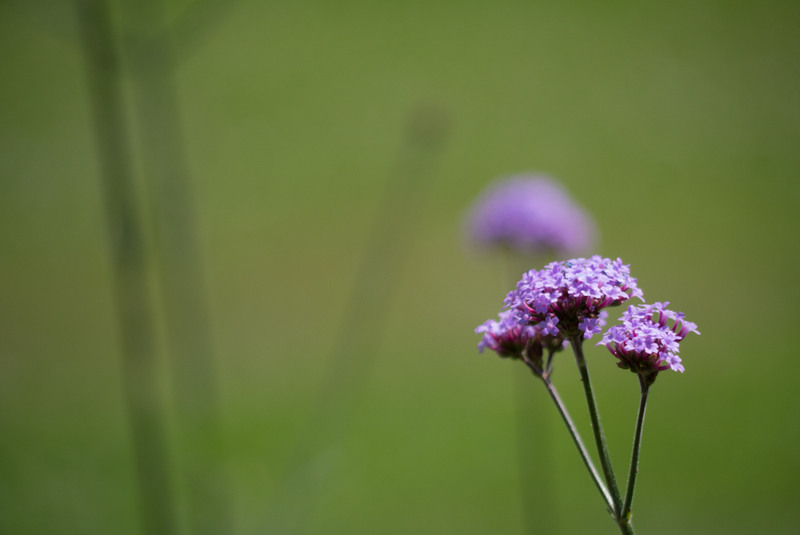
x=574 y=293
x=647 y=342
x=530 y=214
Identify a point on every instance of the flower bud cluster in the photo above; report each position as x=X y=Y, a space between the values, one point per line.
x=509 y=337
x=648 y=339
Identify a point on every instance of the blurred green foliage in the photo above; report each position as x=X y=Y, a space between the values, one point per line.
x=677 y=124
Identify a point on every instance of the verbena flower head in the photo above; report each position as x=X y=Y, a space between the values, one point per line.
x=567 y=298
x=647 y=342
x=511 y=337
x=530 y=214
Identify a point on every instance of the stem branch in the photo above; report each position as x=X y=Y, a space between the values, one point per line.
x=576 y=438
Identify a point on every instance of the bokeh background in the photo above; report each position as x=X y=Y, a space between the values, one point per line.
x=675 y=123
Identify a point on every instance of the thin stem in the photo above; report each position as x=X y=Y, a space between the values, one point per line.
x=637 y=442
x=576 y=438
x=605 y=460
x=549 y=366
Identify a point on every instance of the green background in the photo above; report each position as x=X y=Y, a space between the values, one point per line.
x=675 y=123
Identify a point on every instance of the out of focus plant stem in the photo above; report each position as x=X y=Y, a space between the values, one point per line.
x=128 y=255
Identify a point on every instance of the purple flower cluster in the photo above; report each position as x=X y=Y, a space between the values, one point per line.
x=531 y=214
x=509 y=337
x=567 y=298
x=647 y=342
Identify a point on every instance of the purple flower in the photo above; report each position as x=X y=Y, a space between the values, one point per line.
x=530 y=214
x=573 y=293
x=590 y=325
x=647 y=342
x=511 y=337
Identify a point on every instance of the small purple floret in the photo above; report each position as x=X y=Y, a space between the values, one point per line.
x=647 y=342
x=591 y=326
x=530 y=214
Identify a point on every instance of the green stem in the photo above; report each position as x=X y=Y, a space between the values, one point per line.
x=605 y=460
x=637 y=442
x=576 y=438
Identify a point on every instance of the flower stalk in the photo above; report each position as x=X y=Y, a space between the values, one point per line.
x=625 y=516
x=600 y=441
